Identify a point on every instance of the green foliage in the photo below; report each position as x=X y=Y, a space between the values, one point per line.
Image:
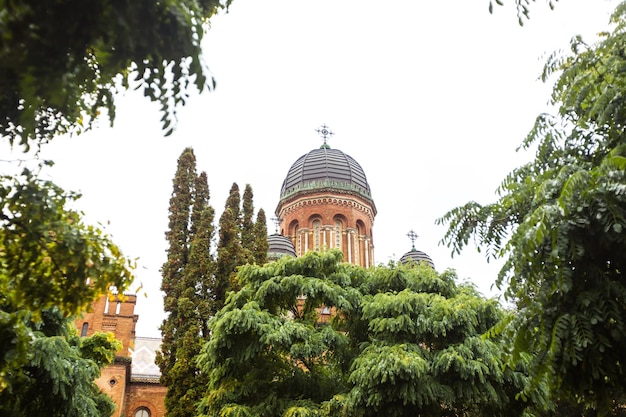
x=267 y=357
x=559 y=223
x=247 y=225
x=57 y=78
x=522 y=6
x=188 y=282
x=261 y=244
x=48 y=259
x=100 y=348
x=403 y=341
x=196 y=284
x=57 y=376
x=229 y=255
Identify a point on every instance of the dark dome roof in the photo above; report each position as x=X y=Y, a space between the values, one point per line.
x=326 y=168
x=279 y=246
x=417 y=256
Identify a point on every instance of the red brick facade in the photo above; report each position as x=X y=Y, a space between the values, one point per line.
x=326 y=220
x=130 y=393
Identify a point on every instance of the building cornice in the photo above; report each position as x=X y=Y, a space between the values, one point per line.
x=325 y=199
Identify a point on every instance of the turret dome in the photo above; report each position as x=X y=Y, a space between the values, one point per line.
x=279 y=246
x=414 y=255
x=418 y=257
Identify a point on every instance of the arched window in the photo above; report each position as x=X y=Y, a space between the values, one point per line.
x=316 y=234
x=360 y=226
x=338 y=234
x=142 y=412
x=298 y=241
x=83 y=331
x=294 y=234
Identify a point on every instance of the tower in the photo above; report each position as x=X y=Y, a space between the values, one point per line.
x=326 y=203
x=132 y=380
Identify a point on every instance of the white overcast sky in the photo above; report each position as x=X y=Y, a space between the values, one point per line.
x=430 y=97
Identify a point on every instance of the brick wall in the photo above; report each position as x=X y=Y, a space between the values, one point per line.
x=114 y=315
x=145 y=394
x=310 y=221
x=114 y=381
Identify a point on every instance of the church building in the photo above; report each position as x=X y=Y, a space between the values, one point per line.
x=325 y=202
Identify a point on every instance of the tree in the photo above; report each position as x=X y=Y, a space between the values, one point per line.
x=48 y=259
x=59 y=78
x=560 y=222
x=196 y=284
x=230 y=253
x=233 y=201
x=253 y=233
x=58 y=377
x=247 y=224
x=261 y=245
x=403 y=341
x=188 y=277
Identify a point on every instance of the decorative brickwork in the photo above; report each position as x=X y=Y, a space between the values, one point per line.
x=328 y=219
x=117 y=315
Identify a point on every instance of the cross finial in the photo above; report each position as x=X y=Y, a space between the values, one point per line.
x=412 y=235
x=276 y=221
x=325 y=133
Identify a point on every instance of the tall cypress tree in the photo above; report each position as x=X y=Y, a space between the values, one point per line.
x=233 y=202
x=187 y=281
x=247 y=225
x=177 y=236
x=241 y=240
x=229 y=256
x=261 y=245
x=201 y=261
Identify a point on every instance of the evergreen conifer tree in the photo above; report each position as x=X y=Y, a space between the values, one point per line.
x=195 y=284
x=234 y=202
x=247 y=225
x=187 y=282
x=261 y=245
x=239 y=241
x=229 y=255
x=177 y=236
x=404 y=341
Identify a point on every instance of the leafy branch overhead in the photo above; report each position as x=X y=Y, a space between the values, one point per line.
x=559 y=223
x=52 y=267
x=522 y=6
x=59 y=77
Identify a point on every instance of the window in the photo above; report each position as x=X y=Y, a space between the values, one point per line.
x=142 y=412
x=298 y=241
x=83 y=331
x=316 y=234
x=337 y=234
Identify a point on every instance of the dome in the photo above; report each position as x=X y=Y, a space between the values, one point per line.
x=279 y=246
x=326 y=169
x=417 y=256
